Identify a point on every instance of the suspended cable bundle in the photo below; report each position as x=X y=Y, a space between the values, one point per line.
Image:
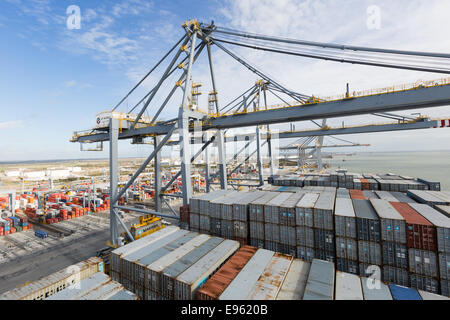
x=398 y=59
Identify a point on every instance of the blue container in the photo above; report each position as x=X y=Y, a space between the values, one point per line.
x=403 y=293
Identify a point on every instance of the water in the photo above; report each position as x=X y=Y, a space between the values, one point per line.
x=429 y=165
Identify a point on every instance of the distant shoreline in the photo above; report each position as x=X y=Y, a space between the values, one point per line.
x=106 y=159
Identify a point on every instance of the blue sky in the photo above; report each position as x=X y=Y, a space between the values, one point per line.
x=54 y=80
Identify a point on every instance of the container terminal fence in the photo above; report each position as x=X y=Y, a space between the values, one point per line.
x=400 y=237
x=178 y=264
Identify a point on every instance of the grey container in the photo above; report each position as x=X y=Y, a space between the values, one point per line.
x=205 y=223
x=241 y=206
x=190 y=280
x=324 y=255
x=369 y=252
x=272 y=232
x=288 y=235
x=194 y=220
x=444 y=266
x=256 y=230
x=324 y=240
x=256 y=207
x=228 y=203
x=395 y=254
x=294 y=284
x=287 y=249
x=240 y=229
x=304 y=210
x=153 y=271
x=386 y=195
x=423 y=262
x=348 y=286
x=323 y=211
x=288 y=208
x=370 y=270
x=272 y=208
x=305 y=253
x=345 y=219
x=214 y=208
x=367 y=222
x=370 y=194
x=216 y=226
x=424 y=283
x=392 y=224
x=167 y=277
x=348 y=266
x=132 y=274
x=141 y=278
x=375 y=289
x=258 y=243
x=117 y=254
x=445 y=288
x=402 y=197
x=305 y=236
x=440 y=221
x=244 y=281
x=272 y=246
x=226 y=229
x=200 y=203
x=320 y=283
x=342 y=193
x=346 y=248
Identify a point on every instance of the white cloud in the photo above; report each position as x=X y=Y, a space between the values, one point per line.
x=10 y=124
x=69 y=84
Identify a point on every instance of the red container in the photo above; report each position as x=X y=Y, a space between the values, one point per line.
x=184 y=213
x=6 y=232
x=420 y=233
x=216 y=285
x=13 y=230
x=357 y=194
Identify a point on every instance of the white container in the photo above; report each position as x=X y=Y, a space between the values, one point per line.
x=295 y=282
x=348 y=286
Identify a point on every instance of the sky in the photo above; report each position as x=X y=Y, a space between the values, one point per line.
x=55 y=80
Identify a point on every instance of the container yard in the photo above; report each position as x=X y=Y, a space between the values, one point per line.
x=226 y=195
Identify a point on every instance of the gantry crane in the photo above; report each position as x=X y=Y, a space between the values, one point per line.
x=199 y=36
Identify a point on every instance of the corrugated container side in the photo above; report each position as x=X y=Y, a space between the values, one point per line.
x=305 y=236
x=444 y=265
x=396 y=275
x=423 y=262
x=346 y=248
x=304 y=210
x=324 y=255
x=305 y=253
x=424 y=283
x=324 y=240
x=420 y=233
x=348 y=266
x=369 y=252
x=445 y=287
x=395 y=254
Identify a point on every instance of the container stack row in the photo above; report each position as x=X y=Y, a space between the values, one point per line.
x=348 y=180
x=366 y=234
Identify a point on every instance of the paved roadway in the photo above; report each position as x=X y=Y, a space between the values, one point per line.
x=32 y=267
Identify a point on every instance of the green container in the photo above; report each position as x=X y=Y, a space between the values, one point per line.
x=18 y=229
